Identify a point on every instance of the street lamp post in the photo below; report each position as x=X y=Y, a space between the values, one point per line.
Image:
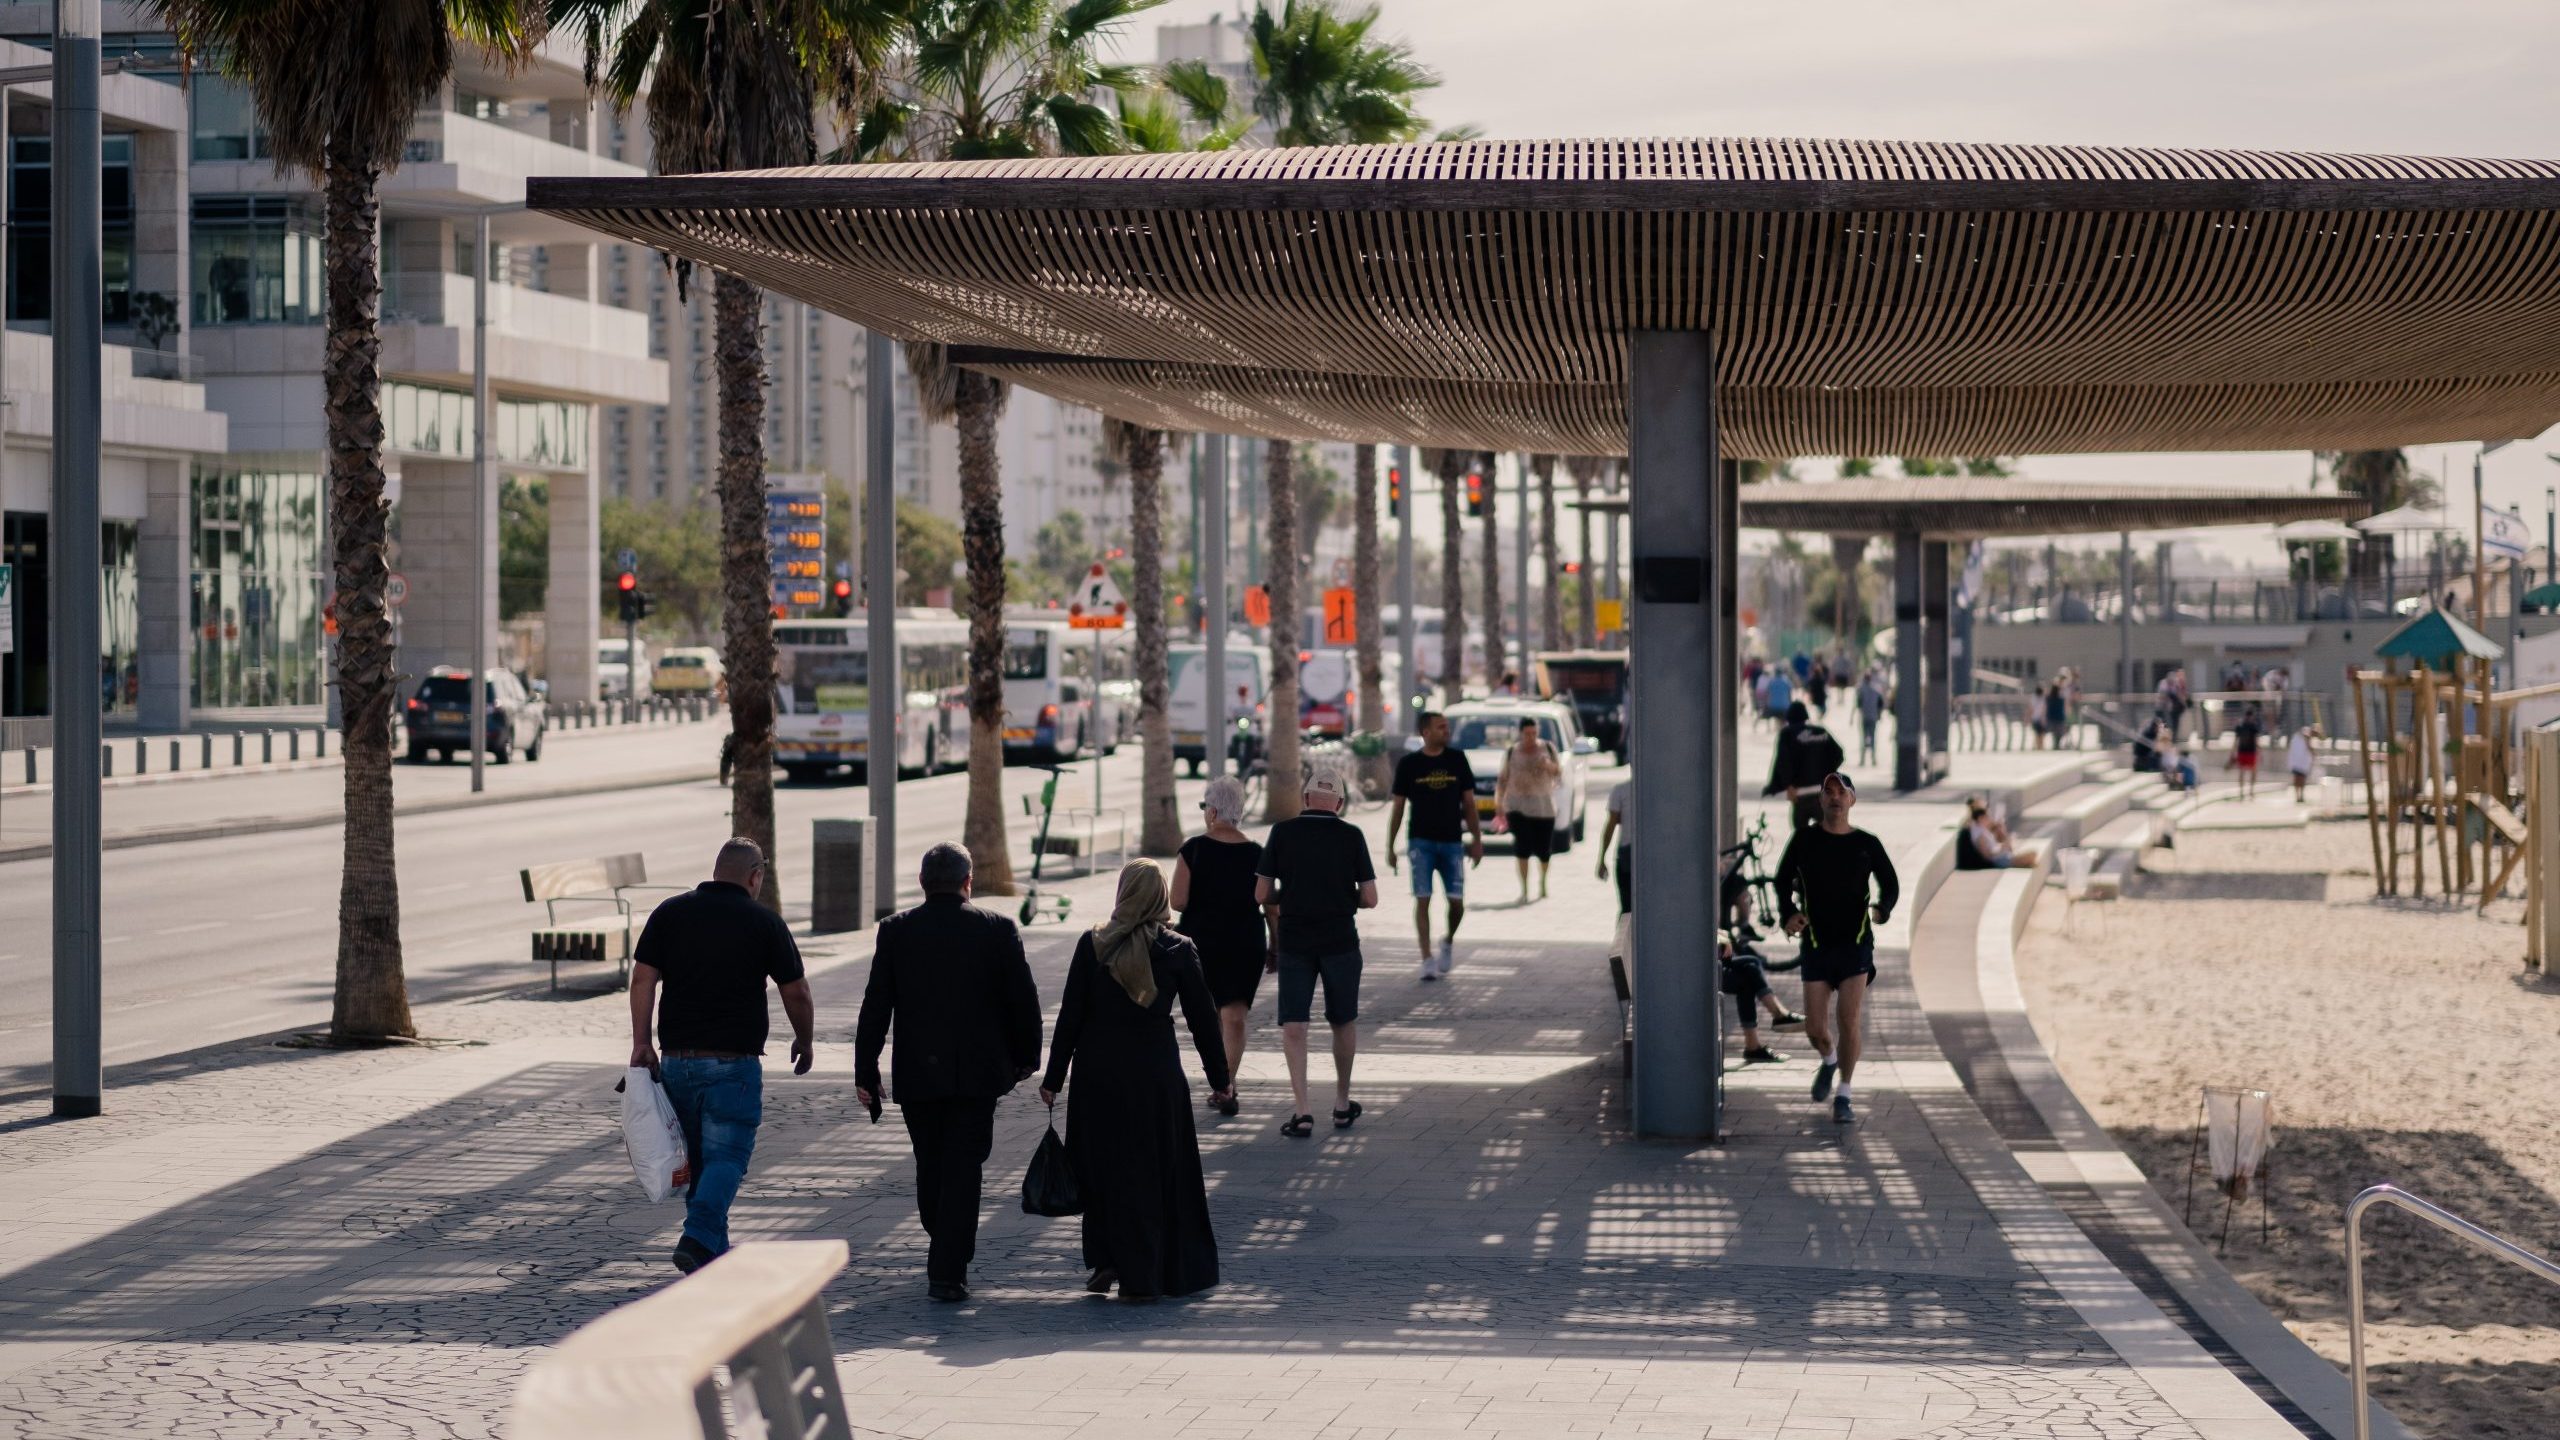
x=482 y=582
x=79 y=1078
x=880 y=610
x=1213 y=613
x=1407 y=630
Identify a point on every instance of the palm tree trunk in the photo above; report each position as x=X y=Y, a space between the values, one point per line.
x=1497 y=648
x=1848 y=552
x=1453 y=584
x=982 y=544
x=1584 y=468
x=1160 y=822
x=1279 y=472
x=371 y=999
x=746 y=567
x=1550 y=604
x=1364 y=606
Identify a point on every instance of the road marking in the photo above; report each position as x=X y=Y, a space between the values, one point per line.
x=191 y=929
x=288 y=914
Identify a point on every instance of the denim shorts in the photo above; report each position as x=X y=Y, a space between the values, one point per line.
x=1444 y=858
x=1298 y=976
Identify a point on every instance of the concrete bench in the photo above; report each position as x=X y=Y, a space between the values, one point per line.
x=603 y=880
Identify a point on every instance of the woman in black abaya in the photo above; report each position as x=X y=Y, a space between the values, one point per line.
x=1129 y=1134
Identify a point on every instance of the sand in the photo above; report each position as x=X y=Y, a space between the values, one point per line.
x=2404 y=1042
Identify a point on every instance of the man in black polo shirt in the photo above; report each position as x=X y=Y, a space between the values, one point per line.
x=713 y=948
x=1317 y=867
x=1440 y=785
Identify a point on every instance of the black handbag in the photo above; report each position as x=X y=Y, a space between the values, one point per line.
x=1049 y=1186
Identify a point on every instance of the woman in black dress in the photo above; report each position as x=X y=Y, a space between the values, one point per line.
x=1213 y=888
x=1136 y=1157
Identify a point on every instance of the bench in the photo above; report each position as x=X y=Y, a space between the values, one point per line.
x=602 y=880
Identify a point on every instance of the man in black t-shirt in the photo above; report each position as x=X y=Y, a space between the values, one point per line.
x=1835 y=885
x=1316 y=866
x=2244 y=750
x=712 y=948
x=1440 y=785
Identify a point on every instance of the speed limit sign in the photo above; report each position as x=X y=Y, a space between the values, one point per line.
x=395 y=590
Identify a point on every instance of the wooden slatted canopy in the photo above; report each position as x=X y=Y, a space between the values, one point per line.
x=1980 y=507
x=1865 y=298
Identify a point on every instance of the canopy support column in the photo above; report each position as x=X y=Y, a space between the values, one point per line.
x=1676 y=653
x=1908 y=726
x=2124 y=614
x=1214 y=733
x=1939 y=661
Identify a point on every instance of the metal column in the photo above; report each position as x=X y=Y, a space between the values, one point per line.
x=79 y=1080
x=1213 y=604
x=2124 y=613
x=1908 y=725
x=1674 y=635
x=1725 y=698
x=880 y=609
x=1408 y=634
x=483 y=557
x=1937 y=661
x=1520 y=573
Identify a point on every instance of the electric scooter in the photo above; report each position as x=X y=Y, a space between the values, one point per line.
x=1034 y=904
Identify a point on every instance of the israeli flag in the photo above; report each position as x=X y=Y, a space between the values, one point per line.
x=2503 y=534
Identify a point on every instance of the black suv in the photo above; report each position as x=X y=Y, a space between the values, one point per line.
x=438 y=717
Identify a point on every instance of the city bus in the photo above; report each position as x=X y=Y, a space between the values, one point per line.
x=1064 y=696
x=823 y=718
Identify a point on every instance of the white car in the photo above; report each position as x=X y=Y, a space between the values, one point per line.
x=1484 y=729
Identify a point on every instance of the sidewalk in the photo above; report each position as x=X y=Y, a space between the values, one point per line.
x=378 y=1243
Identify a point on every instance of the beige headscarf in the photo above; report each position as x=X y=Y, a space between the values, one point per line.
x=1126 y=944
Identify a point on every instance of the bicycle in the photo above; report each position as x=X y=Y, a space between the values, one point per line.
x=1760 y=888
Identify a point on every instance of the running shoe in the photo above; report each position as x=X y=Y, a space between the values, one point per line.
x=1841 y=1111
x=1762 y=1055
x=1787 y=1020
x=1448 y=955
x=1822 y=1081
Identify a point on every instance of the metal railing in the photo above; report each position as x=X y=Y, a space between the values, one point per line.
x=2478 y=1238
x=647 y=1370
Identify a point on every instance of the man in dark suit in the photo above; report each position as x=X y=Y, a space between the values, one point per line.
x=950 y=980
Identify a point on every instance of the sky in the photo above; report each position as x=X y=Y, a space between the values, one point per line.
x=2431 y=77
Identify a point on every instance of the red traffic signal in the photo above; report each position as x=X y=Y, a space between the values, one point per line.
x=628 y=583
x=1573 y=567
x=1475 y=495
x=1395 y=491
x=844 y=589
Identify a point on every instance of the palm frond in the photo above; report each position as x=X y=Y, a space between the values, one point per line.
x=1202 y=91
x=937 y=380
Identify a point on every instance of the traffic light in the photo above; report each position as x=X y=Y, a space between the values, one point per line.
x=627 y=590
x=1571 y=567
x=1475 y=496
x=844 y=597
x=1395 y=492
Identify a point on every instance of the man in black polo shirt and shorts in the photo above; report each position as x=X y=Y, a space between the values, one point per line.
x=1825 y=884
x=1316 y=866
x=1441 y=787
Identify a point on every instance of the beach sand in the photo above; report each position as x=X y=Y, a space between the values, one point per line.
x=2404 y=1041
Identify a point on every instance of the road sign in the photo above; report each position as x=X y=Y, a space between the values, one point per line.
x=8 y=609
x=1257 y=605
x=629 y=559
x=1097 y=605
x=1341 y=617
x=1612 y=614
x=395 y=590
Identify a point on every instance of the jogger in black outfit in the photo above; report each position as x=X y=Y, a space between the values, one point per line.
x=1835 y=885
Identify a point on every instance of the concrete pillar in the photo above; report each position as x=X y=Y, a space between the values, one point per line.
x=1725 y=700
x=1937 y=663
x=2125 y=684
x=436 y=560
x=1677 y=663
x=1908 y=687
x=160 y=215
x=165 y=642
x=573 y=606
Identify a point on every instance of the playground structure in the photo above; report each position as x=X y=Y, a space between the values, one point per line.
x=2451 y=768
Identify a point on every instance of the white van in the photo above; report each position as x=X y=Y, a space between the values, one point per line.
x=1187 y=669
x=613 y=668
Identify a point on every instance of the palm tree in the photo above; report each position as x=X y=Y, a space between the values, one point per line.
x=734 y=86
x=990 y=80
x=1497 y=645
x=1364 y=603
x=1452 y=467
x=1550 y=604
x=1142 y=450
x=336 y=87
x=1321 y=81
x=2382 y=477
x=1585 y=469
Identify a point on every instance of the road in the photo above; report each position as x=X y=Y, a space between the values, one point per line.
x=214 y=940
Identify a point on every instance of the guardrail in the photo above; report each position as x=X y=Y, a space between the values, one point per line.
x=2475 y=1236
x=645 y=1371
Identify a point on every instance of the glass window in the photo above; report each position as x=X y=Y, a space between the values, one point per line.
x=257 y=588
x=256 y=259
x=225 y=124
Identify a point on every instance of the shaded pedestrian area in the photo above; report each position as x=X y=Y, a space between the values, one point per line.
x=385 y=1249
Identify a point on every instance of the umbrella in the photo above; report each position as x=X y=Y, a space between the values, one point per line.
x=2407 y=520
x=2312 y=532
x=2543 y=597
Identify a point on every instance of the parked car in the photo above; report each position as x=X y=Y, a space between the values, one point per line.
x=1484 y=729
x=687 y=670
x=613 y=668
x=438 y=717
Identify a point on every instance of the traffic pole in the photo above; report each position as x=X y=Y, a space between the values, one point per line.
x=78 y=974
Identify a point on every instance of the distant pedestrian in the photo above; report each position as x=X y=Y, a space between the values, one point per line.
x=712 y=949
x=2057 y=715
x=2244 y=751
x=1525 y=796
x=1835 y=885
x=2299 y=759
x=1615 y=827
x=1129 y=1133
x=1213 y=884
x=952 y=996
x=1817 y=689
x=1806 y=752
x=1509 y=689
x=1870 y=716
x=1316 y=867
x=1447 y=836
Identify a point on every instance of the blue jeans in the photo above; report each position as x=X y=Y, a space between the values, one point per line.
x=719 y=1104
x=1444 y=858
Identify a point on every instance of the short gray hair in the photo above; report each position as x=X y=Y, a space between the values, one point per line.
x=1224 y=800
x=945 y=870
x=737 y=859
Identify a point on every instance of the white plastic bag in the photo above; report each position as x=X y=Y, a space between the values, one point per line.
x=651 y=1135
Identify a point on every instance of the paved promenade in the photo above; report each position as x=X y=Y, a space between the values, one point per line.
x=269 y=1241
